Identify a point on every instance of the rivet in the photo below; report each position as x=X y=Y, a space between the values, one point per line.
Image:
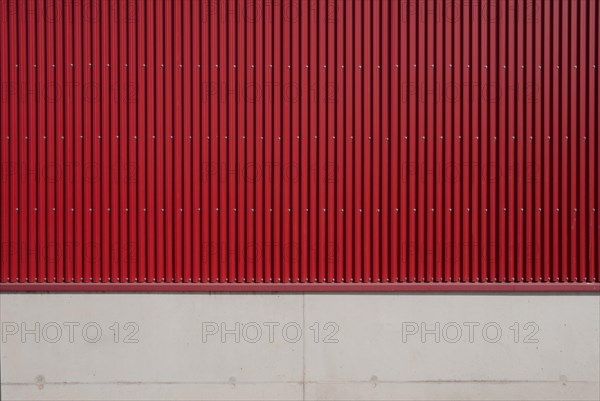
x=414 y=210
x=468 y=209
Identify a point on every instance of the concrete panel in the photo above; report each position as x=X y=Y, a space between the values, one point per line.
x=295 y=346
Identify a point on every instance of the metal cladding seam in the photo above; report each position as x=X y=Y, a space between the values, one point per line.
x=309 y=142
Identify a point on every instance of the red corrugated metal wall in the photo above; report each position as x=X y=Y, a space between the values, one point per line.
x=407 y=143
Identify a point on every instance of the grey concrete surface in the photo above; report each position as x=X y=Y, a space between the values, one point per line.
x=300 y=347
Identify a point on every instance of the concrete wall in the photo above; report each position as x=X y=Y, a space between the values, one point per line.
x=313 y=347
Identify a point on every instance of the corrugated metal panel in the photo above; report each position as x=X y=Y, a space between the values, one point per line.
x=408 y=143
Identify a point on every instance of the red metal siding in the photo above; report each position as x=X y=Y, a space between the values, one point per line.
x=209 y=145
